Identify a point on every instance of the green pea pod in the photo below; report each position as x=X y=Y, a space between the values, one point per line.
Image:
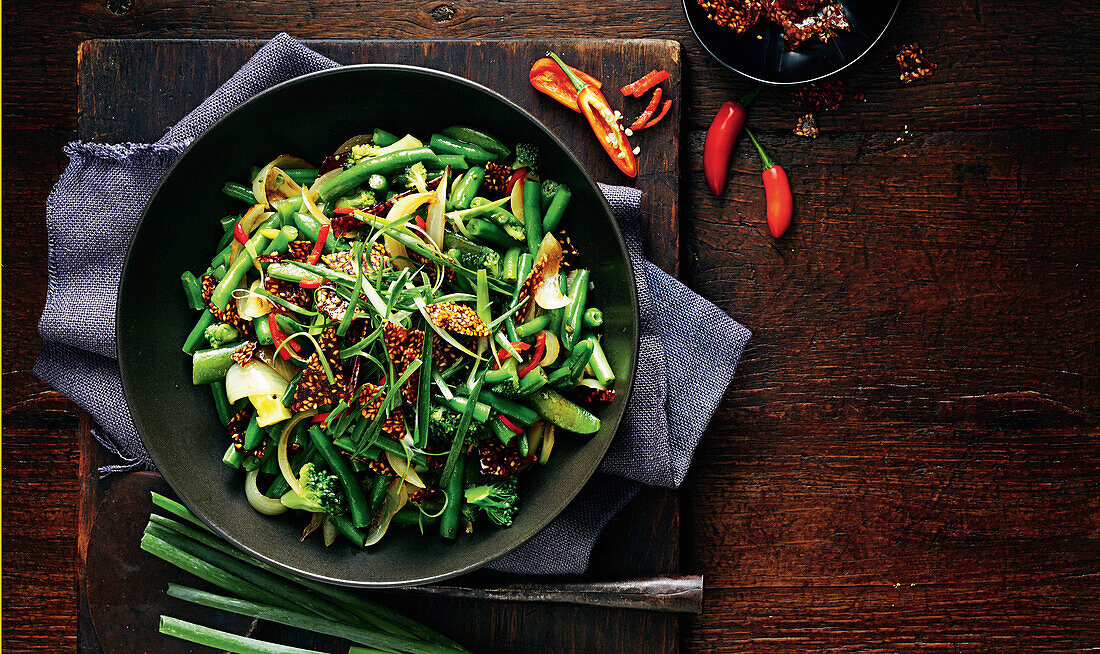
x=467 y=189
x=574 y=312
x=192 y=290
x=209 y=366
x=573 y=367
x=310 y=227
x=490 y=233
x=480 y=139
x=560 y=412
x=446 y=145
x=556 y=211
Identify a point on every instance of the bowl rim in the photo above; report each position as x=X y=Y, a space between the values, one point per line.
x=126 y=368
x=808 y=80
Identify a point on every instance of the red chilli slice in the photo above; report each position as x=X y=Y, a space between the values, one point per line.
x=521 y=173
x=650 y=109
x=660 y=116
x=647 y=81
x=510 y=425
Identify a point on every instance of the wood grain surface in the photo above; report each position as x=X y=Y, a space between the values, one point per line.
x=112 y=107
x=907 y=459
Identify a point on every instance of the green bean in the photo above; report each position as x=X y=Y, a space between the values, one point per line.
x=517 y=412
x=218 y=273
x=446 y=145
x=349 y=531
x=252 y=434
x=378 y=492
x=532 y=381
x=488 y=232
x=233 y=456
x=280 y=243
x=279 y=487
x=533 y=326
x=378 y=183
x=523 y=445
x=197 y=336
x=227 y=223
x=459 y=404
x=288 y=272
x=601 y=369
x=192 y=291
x=263 y=330
x=285 y=208
x=224 y=290
x=556 y=211
x=412 y=517
x=510 y=329
x=545 y=196
x=532 y=215
x=507 y=370
x=571 y=323
x=224 y=242
x=480 y=139
x=222 y=257
x=239 y=192
x=383 y=164
x=455 y=161
x=382 y=138
x=211 y=365
x=467 y=189
x=310 y=227
x=526 y=264
x=357 y=503
x=501 y=431
x=302 y=176
x=593 y=317
x=573 y=367
x=221 y=402
x=448 y=522
x=510 y=269
x=557 y=315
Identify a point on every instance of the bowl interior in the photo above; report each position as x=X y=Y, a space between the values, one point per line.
x=309 y=117
x=762 y=54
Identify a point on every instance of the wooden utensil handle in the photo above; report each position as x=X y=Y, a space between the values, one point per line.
x=680 y=594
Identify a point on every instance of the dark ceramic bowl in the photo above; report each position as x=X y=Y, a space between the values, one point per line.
x=761 y=54
x=310 y=116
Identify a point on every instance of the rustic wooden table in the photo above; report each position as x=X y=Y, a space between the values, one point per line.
x=908 y=457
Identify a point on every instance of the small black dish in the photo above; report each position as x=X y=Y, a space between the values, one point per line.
x=762 y=54
x=310 y=116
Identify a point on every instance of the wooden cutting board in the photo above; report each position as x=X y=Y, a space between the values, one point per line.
x=132 y=90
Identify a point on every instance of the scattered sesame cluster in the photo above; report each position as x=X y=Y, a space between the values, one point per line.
x=800 y=20
x=229 y=313
x=458 y=318
x=496 y=177
x=913 y=64
x=499 y=460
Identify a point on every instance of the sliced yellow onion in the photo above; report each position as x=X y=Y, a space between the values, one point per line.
x=284 y=463
x=517 y=201
x=328 y=530
x=436 y=219
x=311 y=206
x=279 y=186
x=315 y=522
x=269 y=409
x=257 y=378
x=403 y=469
x=324 y=179
x=249 y=221
x=549 y=295
x=258 y=500
x=553 y=348
x=534 y=436
x=406 y=142
x=358 y=139
x=403 y=207
x=252 y=305
x=547 y=444
x=396 y=497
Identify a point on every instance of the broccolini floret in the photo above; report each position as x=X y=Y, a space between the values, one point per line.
x=416 y=176
x=321 y=492
x=527 y=156
x=220 y=334
x=499 y=501
x=361 y=199
x=443 y=424
x=489 y=260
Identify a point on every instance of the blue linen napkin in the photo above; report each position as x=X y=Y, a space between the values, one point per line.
x=688 y=350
